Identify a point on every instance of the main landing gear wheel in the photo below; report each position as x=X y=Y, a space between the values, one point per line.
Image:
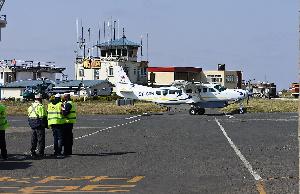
x=199 y=111
x=193 y=111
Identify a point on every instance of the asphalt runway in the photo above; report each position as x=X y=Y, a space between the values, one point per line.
x=172 y=152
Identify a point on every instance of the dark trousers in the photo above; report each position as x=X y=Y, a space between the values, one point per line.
x=68 y=138
x=3 y=144
x=38 y=138
x=58 y=138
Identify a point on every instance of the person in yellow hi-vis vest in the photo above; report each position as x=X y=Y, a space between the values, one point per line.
x=3 y=125
x=37 y=118
x=70 y=116
x=56 y=120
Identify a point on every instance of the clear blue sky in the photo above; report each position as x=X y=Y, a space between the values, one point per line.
x=258 y=37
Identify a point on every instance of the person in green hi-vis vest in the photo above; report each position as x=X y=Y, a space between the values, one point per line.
x=37 y=118
x=70 y=115
x=56 y=120
x=3 y=125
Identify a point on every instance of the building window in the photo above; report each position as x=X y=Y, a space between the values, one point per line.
x=38 y=74
x=95 y=92
x=1 y=75
x=96 y=74
x=229 y=78
x=111 y=71
x=214 y=78
x=81 y=72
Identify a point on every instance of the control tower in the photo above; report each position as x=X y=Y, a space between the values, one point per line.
x=2 y=18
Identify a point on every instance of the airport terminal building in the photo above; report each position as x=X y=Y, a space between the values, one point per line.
x=165 y=75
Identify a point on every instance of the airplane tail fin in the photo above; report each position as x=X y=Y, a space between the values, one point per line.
x=120 y=76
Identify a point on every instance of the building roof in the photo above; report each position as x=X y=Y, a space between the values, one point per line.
x=119 y=42
x=174 y=69
x=74 y=83
x=25 y=83
x=68 y=83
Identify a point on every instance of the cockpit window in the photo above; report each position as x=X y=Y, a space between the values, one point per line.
x=212 y=90
x=172 y=91
x=189 y=91
x=165 y=92
x=158 y=92
x=220 y=88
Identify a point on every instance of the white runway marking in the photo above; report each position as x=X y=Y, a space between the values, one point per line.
x=87 y=135
x=238 y=152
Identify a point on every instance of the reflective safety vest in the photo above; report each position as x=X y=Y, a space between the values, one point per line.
x=54 y=114
x=36 y=111
x=3 y=122
x=71 y=118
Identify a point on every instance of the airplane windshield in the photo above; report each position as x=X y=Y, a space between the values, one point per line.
x=220 y=88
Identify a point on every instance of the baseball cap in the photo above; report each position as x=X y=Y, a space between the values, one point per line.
x=57 y=96
x=38 y=96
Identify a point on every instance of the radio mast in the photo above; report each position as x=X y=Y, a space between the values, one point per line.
x=2 y=18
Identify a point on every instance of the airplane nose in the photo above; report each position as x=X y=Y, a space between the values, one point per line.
x=249 y=93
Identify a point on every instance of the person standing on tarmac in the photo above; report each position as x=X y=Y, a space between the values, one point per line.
x=37 y=118
x=3 y=125
x=70 y=116
x=56 y=120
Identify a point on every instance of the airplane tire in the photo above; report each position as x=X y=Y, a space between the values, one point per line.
x=192 y=111
x=201 y=111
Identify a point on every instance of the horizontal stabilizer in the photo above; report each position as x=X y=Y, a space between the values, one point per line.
x=126 y=91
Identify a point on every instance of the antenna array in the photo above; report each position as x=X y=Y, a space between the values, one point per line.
x=1 y=4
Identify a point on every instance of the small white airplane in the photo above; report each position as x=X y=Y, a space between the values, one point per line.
x=194 y=97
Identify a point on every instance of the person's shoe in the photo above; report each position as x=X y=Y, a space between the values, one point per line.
x=41 y=155
x=32 y=153
x=60 y=156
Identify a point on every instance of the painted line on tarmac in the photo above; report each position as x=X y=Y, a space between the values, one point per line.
x=256 y=176
x=229 y=116
x=238 y=152
x=101 y=130
x=107 y=128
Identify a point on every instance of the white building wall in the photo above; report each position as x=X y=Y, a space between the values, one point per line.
x=51 y=76
x=24 y=75
x=11 y=92
x=133 y=69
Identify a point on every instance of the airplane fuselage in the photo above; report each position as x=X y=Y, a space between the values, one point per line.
x=182 y=94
